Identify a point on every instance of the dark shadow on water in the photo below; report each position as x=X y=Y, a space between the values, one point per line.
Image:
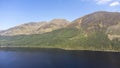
x=57 y=58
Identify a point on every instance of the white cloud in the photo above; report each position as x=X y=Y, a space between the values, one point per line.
x=116 y=3
x=110 y=3
x=103 y=1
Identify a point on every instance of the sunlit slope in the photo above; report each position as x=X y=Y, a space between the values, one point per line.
x=91 y=32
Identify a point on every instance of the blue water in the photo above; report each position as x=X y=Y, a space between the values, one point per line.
x=53 y=58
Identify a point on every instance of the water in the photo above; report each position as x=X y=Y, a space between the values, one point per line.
x=57 y=58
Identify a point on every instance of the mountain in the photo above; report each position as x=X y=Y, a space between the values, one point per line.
x=97 y=20
x=101 y=20
x=108 y=22
x=35 y=27
x=1 y=31
x=52 y=25
x=95 y=31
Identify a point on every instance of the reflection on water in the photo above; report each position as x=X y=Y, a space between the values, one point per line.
x=56 y=58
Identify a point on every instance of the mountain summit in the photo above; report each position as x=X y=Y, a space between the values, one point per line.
x=97 y=20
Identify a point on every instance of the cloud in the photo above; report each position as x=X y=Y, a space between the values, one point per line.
x=116 y=3
x=103 y=1
x=110 y=3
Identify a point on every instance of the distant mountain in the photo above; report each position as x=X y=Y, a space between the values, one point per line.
x=108 y=22
x=35 y=27
x=97 y=20
x=52 y=25
x=1 y=31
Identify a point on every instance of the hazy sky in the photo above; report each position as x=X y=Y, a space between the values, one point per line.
x=15 y=12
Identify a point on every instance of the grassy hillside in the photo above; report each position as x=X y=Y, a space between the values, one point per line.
x=67 y=38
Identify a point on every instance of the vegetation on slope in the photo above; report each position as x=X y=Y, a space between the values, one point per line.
x=67 y=38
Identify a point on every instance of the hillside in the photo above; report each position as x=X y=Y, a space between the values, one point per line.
x=35 y=27
x=97 y=20
x=107 y=22
x=90 y=32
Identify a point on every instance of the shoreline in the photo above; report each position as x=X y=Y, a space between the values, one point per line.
x=49 y=47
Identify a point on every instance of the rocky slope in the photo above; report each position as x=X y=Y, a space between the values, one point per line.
x=108 y=22
x=97 y=20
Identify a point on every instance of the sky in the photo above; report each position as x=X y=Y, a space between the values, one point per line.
x=16 y=12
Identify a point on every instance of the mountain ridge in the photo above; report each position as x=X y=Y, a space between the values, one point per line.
x=35 y=27
x=100 y=17
x=96 y=21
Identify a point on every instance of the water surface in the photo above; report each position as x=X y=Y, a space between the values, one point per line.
x=57 y=58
